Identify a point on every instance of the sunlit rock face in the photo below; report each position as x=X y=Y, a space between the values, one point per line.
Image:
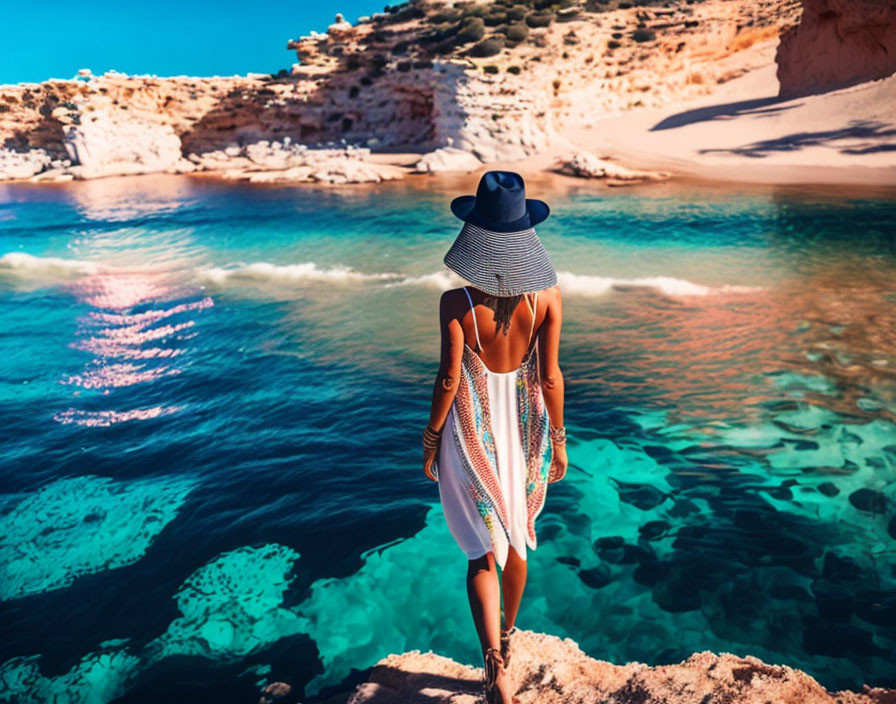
x=107 y=147
x=550 y=670
x=838 y=43
x=391 y=81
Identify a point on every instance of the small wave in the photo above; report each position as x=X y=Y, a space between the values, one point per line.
x=292 y=273
x=25 y=265
x=588 y=285
x=439 y=279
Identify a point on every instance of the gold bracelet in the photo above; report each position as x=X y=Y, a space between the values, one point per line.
x=431 y=438
x=558 y=435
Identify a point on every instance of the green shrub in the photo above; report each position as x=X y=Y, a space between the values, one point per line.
x=445 y=16
x=472 y=30
x=494 y=19
x=613 y=44
x=516 y=32
x=516 y=13
x=643 y=35
x=488 y=47
x=475 y=11
x=491 y=68
x=541 y=19
x=515 y=70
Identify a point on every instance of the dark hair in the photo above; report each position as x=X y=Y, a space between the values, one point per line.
x=503 y=307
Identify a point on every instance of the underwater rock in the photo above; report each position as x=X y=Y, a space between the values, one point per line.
x=654 y=530
x=596 y=577
x=869 y=500
x=828 y=488
x=642 y=496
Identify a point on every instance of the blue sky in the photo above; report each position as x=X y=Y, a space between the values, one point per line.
x=43 y=39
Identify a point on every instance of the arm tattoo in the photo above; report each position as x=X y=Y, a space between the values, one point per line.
x=447 y=382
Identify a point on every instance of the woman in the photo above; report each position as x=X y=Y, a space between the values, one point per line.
x=495 y=437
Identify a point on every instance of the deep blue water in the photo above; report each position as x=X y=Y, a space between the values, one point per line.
x=211 y=397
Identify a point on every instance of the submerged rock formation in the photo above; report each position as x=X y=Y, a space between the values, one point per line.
x=549 y=670
x=838 y=43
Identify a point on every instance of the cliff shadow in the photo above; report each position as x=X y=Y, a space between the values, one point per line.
x=868 y=137
x=756 y=107
x=387 y=684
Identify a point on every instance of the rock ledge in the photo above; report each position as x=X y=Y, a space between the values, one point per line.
x=550 y=670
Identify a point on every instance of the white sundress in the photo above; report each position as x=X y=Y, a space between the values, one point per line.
x=494 y=455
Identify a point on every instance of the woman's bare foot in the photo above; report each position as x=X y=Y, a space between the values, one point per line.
x=503 y=685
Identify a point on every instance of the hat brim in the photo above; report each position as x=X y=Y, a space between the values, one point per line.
x=501 y=264
x=537 y=211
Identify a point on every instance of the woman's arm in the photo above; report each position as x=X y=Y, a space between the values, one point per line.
x=552 y=378
x=448 y=377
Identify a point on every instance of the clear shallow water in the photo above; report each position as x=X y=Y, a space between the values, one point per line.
x=211 y=398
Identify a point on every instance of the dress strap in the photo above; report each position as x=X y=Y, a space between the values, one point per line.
x=473 y=313
x=533 y=308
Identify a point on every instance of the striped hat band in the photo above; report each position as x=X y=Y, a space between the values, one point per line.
x=501 y=263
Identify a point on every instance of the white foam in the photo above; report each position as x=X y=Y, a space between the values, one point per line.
x=260 y=272
x=589 y=285
x=26 y=265
x=56 y=269
x=439 y=279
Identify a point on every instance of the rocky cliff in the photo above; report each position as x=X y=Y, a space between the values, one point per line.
x=495 y=80
x=838 y=43
x=549 y=670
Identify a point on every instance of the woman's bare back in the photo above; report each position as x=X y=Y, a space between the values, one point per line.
x=501 y=353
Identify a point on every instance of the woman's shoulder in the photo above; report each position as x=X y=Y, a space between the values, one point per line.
x=550 y=294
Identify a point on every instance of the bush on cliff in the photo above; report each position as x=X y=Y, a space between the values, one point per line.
x=445 y=16
x=516 y=32
x=517 y=13
x=471 y=30
x=493 y=19
x=643 y=35
x=488 y=47
x=540 y=19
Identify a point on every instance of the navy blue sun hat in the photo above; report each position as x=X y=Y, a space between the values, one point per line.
x=500 y=204
x=497 y=249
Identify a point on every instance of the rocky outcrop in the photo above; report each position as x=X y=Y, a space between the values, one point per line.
x=100 y=146
x=548 y=670
x=837 y=43
x=286 y=162
x=416 y=78
x=447 y=159
x=587 y=165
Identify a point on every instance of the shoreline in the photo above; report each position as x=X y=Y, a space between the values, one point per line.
x=545 y=181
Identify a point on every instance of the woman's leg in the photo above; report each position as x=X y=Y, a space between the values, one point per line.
x=513 y=582
x=484 y=593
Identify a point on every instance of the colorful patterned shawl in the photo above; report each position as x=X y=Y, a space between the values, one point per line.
x=472 y=433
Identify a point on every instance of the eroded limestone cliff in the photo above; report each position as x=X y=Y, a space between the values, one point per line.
x=494 y=79
x=838 y=43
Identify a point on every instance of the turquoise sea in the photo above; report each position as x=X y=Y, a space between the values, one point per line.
x=212 y=394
